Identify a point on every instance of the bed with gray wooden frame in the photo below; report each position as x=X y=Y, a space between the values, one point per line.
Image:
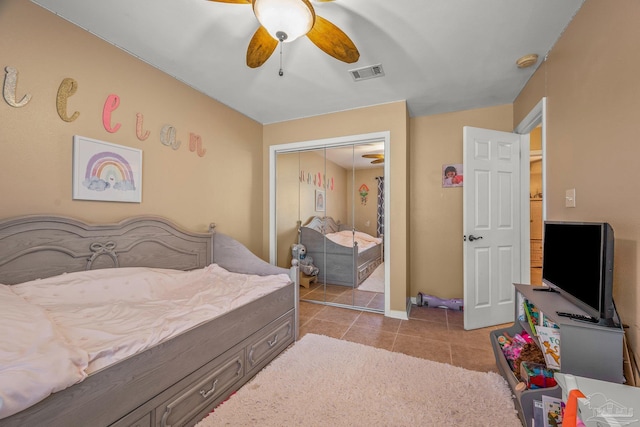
x=174 y=383
x=344 y=265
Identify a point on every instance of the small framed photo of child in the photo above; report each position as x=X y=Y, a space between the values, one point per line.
x=319 y=201
x=452 y=175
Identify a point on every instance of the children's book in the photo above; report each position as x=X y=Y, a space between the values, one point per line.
x=531 y=314
x=545 y=321
x=550 y=345
x=551 y=411
x=538 y=415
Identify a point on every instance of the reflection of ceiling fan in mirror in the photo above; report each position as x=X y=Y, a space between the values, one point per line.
x=283 y=21
x=378 y=158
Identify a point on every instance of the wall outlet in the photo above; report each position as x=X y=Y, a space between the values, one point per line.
x=570 y=198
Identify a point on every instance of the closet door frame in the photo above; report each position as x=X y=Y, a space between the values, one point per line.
x=274 y=150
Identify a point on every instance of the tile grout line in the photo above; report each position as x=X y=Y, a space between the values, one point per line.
x=351 y=325
x=395 y=336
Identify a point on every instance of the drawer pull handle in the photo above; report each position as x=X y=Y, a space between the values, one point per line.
x=205 y=393
x=272 y=343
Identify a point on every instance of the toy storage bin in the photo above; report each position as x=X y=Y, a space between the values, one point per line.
x=523 y=400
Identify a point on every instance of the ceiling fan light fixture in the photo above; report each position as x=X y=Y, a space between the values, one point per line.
x=285 y=20
x=378 y=158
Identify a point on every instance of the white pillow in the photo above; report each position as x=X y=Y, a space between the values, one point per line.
x=331 y=226
x=316 y=224
x=324 y=225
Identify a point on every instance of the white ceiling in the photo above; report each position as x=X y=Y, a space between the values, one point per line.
x=438 y=55
x=350 y=156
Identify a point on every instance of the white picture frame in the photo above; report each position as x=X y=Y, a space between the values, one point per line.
x=106 y=172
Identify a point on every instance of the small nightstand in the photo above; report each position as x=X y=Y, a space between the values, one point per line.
x=307 y=280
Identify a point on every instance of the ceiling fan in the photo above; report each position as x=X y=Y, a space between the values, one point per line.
x=379 y=158
x=286 y=20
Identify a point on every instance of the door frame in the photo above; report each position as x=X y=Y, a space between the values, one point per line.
x=537 y=116
x=384 y=136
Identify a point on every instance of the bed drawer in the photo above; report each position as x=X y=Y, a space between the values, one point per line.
x=202 y=393
x=145 y=421
x=270 y=340
x=365 y=270
x=134 y=419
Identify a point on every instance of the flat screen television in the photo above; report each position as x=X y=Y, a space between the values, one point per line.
x=577 y=261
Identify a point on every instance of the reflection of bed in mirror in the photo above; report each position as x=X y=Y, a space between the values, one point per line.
x=344 y=257
x=187 y=352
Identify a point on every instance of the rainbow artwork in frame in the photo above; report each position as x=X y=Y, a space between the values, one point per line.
x=106 y=172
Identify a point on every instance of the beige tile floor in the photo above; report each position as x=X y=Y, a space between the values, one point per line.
x=429 y=333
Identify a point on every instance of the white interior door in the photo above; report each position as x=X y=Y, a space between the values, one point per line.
x=492 y=195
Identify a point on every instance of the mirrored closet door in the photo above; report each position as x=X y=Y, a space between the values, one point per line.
x=330 y=201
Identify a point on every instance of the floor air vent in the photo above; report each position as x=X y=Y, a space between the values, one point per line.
x=365 y=73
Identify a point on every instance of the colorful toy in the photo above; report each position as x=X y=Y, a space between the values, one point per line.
x=531 y=353
x=512 y=347
x=536 y=375
x=504 y=339
x=431 y=301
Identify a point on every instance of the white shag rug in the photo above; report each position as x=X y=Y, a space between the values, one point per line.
x=322 y=381
x=375 y=281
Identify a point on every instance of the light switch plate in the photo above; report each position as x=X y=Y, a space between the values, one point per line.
x=570 y=198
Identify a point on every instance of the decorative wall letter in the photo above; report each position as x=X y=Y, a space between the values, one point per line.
x=10 y=84
x=168 y=137
x=110 y=105
x=141 y=136
x=195 y=144
x=66 y=89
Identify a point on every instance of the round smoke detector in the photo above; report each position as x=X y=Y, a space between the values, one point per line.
x=527 y=60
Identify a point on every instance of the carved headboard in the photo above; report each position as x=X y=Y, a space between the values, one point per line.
x=38 y=246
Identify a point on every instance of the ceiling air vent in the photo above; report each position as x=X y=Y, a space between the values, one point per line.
x=369 y=72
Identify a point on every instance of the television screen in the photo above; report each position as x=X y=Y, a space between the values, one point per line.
x=578 y=261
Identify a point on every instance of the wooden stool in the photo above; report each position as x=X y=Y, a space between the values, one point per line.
x=307 y=280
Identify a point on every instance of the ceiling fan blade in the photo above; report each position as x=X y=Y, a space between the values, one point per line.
x=333 y=41
x=373 y=156
x=232 y=1
x=260 y=48
x=375 y=162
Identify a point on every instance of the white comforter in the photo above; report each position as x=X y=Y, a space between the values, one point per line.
x=56 y=331
x=348 y=237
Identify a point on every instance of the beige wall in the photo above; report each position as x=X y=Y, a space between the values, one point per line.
x=436 y=212
x=288 y=206
x=388 y=117
x=36 y=160
x=590 y=80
